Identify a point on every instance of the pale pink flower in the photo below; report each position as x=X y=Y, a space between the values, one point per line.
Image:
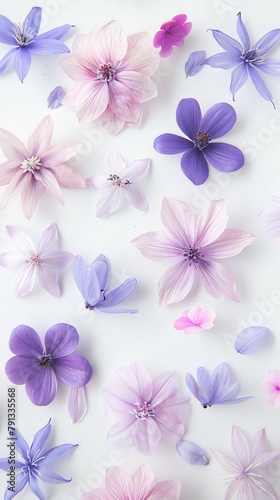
x=195 y=319
x=193 y=245
x=113 y=74
x=118 y=182
x=32 y=170
x=142 y=485
x=247 y=471
x=270 y=216
x=272 y=387
x=31 y=261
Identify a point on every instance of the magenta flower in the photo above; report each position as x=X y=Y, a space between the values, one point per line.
x=145 y=411
x=270 y=216
x=38 y=366
x=32 y=170
x=194 y=245
x=118 y=182
x=119 y=484
x=113 y=74
x=30 y=261
x=172 y=33
x=272 y=387
x=247 y=471
x=195 y=319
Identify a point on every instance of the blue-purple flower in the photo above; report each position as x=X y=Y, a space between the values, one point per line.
x=91 y=281
x=215 y=389
x=25 y=39
x=246 y=59
x=198 y=148
x=35 y=460
x=38 y=366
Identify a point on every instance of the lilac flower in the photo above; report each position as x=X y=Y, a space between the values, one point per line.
x=34 y=463
x=141 y=485
x=38 y=367
x=247 y=471
x=55 y=98
x=215 y=389
x=91 y=281
x=25 y=40
x=31 y=261
x=118 y=182
x=195 y=319
x=272 y=387
x=270 y=216
x=145 y=411
x=193 y=245
x=246 y=59
x=198 y=148
x=172 y=33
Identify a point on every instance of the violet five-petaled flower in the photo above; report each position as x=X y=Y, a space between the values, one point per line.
x=118 y=182
x=194 y=245
x=246 y=59
x=31 y=261
x=172 y=33
x=247 y=473
x=39 y=367
x=25 y=39
x=34 y=464
x=215 y=389
x=91 y=281
x=119 y=484
x=145 y=411
x=198 y=148
x=39 y=167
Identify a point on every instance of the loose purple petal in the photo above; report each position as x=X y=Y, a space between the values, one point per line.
x=55 y=98
x=195 y=63
x=171 y=144
x=192 y=453
x=252 y=339
x=77 y=404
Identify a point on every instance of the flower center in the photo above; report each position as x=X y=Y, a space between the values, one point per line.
x=44 y=360
x=192 y=254
x=31 y=164
x=116 y=180
x=106 y=72
x=23 y=38
x=253 y=56
x=201 y=140
x=34 y=260
x=143 y=411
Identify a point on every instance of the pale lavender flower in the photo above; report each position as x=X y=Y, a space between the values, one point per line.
x=246 y=59
x=38 y=366
x=119 y=182
x=215 y=389
x=193 y=246
x=34 y=463
x=145 y=411
x=25 y=40
x=270 y=216
x=55 y=98
x=31 y=261
x=247 y=472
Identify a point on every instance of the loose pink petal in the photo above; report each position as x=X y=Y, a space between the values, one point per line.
x=175 y=284
x=25 y=281
x=48 y=280
x=12 y=147
x=77 y=404
x=39 y=141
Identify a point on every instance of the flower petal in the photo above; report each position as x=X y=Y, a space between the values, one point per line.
x=240 y=446
x=40 y=440
x=259 y=84
x=32 y=21
x=55 y=98
x=137 y=169
x=48 y=280
x=24 y=341
x=176 y=283
x=61 y=340
x=271 y=66
x=114 y=297
x=218 y=120
x=218 y=280
x=56 y=33
x=191 y=453
x=231 y=242
x=195 y=166
x=211 y=223
x=238 y=78
x=48 y=240
x=31 y=197
x=12 y=147
x=73 y=370
x=188 y=116
x=243 y=33
x=252 y=339
x=77 y=404
x=21 y=240
x=22 y=62
x=171 y=144
x=20 y=368
x=135 y=198
x=5 y=61
x=225 y=60
x=7 y=27
x=25 y=281
x=49 y=181
x=39 y=141
x=157 y=246
x=224 y=157
x=227 y=43
x=58 y=452
x=92 y=100
x=267 y=42
x=45 y=47
x=86 y=280
x=42 y=388
x=108 y=202
x=195 y=62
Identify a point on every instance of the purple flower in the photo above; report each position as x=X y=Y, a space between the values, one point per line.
x=55 y=97
x=246 y=59
x=91 y=281
x=34 y=463
x=172 y=33
x=198 y=148
x=145 y=411
x=194 y=245
x=25 y=40
x=38 y=367
x=30 y=261
x=215 y=389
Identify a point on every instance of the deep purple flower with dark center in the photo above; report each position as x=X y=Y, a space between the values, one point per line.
x=198 y=148
x=38 y=367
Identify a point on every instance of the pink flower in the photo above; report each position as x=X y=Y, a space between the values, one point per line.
x=118 y=182
x=32 y=170
x=113 y=74
x=31 y=261
x=172 y=33
x=140 y=486
x=194 y=245
x=145 y=411
x=195 y=319
x=272 y=387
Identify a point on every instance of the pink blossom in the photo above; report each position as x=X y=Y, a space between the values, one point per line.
x=145 y=411
x=195 y=319
x=272 y=387
x=142 y=485
x=172 y=33
x=113 y=74
x=32 y=170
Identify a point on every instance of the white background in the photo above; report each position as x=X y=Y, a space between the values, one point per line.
x=112 y=341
